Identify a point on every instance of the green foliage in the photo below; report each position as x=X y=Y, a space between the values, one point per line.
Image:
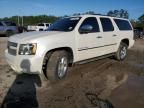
x=138 y=23
x=141 y=21
x=34 y=20
x=85 y=13
x=119 y=13
x=31 y=20
x=141 y=18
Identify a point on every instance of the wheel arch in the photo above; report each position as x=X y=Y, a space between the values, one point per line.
x=67 y=49
x=126 y=41
x=48 y=54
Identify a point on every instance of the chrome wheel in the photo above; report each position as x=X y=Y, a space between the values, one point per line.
x=123 y=52
x=62 y=67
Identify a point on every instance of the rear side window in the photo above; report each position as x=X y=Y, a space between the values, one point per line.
x=106 y=24
x=123 y=24
x=93 y=22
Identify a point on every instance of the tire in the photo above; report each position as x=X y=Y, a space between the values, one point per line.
x=57 y=66
x=122 y=52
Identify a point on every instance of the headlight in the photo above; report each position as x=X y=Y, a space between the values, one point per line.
x=27 y=49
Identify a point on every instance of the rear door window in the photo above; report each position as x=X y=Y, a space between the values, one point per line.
x=123 y=24
x=107 y=24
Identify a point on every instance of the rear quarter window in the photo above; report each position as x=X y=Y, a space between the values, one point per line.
x=123 y=24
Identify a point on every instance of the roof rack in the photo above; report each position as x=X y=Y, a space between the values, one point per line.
x=98 y=14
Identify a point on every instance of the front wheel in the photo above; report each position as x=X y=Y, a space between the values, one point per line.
x=122 y=52
x=57 y=66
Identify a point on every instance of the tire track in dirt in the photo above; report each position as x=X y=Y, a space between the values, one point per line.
x=76 y=85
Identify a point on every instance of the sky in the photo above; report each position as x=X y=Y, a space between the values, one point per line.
x=68 y=7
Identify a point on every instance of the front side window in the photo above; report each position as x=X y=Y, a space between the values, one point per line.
x=106 y=24
x=123 y=24
x=65 y=24
x=92 y=21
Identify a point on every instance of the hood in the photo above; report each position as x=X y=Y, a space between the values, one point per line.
x=27 y=36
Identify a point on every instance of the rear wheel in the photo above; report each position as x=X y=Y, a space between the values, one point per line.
x=122 y=52
x=57 y=66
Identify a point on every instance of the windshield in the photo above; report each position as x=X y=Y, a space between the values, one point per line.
x=10 y=24
x=65 y=24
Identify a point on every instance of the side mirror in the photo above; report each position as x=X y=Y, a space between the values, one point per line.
x=85 y=29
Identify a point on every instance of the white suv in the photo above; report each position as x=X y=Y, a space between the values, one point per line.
x=39 y=27
x=69 y=40
x=42 y=26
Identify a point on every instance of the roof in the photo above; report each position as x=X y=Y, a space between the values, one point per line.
x=99 y=15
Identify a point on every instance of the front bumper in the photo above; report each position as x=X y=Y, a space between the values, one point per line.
x=25 y=63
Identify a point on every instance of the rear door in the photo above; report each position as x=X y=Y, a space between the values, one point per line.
x=109 y=35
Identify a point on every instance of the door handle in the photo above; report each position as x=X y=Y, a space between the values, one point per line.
x=114 y=35
x=99 y=37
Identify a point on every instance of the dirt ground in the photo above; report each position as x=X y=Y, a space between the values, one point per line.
x=104 y=83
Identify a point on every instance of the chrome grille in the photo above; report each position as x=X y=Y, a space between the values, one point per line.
x=12 y=48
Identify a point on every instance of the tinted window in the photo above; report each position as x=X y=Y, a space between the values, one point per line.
x=47 y=25
x=40 y=24
x=10 y=24
x=93 y=22
x=107 y=24
x=65 y=24
x=123 y=24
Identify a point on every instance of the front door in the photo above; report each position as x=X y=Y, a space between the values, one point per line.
x=89 y=42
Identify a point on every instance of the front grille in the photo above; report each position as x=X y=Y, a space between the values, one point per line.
x=12 y=48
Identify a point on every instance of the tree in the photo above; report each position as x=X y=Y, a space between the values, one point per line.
x=32 y=20
x=90 y=12
x=133 y=22
x=76 y=14
x=141 y=21
x=141 y=18
x=111 y=13
x=118 y=13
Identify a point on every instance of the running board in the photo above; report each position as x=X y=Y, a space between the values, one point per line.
x=94 y=59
